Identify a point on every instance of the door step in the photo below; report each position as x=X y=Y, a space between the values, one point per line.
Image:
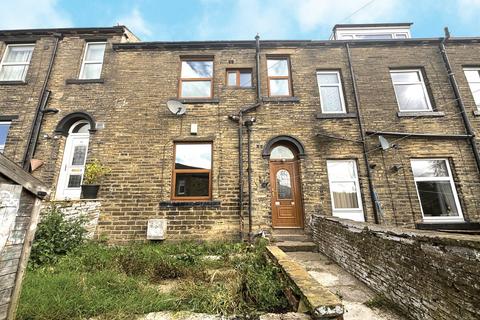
x=297 y=246
x=291 y=237
x=280 y=231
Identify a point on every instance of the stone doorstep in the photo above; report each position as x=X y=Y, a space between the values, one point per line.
x=315 y=298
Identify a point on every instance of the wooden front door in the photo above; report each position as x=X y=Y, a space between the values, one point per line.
x=287 y=211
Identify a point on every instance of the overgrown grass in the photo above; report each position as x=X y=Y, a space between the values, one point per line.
x=119 y=282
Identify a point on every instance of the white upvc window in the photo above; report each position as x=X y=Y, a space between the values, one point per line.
x=15 y=62
x=410 y=90
x=436 y=191
x=4 y=127
x=331 y=92
x=473 y=78
x=92 y=60
x=345 y=189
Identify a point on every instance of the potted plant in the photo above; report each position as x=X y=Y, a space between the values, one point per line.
x=94 y=171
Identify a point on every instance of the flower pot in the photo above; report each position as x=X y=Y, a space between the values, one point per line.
x=90 y=191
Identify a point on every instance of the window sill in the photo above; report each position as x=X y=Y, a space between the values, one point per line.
x=336 y=115
x=460 y=225
x=200 y=100
x=239 y=88
x=476 y=113
x=82 y=81
x=433 y=114
x=201 y=204
x=12 y=83
x=281 y=99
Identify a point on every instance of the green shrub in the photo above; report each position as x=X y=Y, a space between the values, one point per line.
x=55 y=237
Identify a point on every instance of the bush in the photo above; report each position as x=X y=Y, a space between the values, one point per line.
x=55 y=237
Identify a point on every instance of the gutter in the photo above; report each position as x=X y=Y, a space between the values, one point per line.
x=420 y=135
x=42 y=103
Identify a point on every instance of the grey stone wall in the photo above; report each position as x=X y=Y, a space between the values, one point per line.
x=429 y=275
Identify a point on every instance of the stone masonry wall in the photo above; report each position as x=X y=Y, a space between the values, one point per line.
x=429 y=275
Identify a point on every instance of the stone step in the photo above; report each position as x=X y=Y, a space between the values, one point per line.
x=297 y=246
x=278 y=231
x=292 y=237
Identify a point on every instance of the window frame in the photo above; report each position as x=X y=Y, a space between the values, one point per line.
x=288 y=77
x=25 y=64
x=340 y=212
x=181 y=80
x=84 y=62
x=238 y=72
x=340 y=90
x=2 y=146
x=458 y=218
x=420 y=72
x=477 y=104
x=175 y=171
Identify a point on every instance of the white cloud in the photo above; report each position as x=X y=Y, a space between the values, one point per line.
x=25 y=14
x=468 y=10
x=135 y=22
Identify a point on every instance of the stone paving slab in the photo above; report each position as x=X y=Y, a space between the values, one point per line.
x=354 y=293
x=184 y=315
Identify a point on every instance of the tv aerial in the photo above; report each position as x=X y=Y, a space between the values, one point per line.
x=176 y=107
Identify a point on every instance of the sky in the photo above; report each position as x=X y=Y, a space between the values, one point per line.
x=178 y=20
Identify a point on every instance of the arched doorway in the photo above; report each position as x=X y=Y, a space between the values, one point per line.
x=285 y=182
x=73 y=163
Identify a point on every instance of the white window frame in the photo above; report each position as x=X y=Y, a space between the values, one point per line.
x=84 y=61
x=471 y=90
x=422 y=82
x=25 y=64
x=458 y=218
x=338 y=85
x=355 y=214
x=2 y=146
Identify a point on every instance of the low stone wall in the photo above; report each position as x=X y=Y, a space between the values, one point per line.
x=90 y=209
x=428 y=275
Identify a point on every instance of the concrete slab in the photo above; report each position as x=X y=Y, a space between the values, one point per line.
x=354 y=293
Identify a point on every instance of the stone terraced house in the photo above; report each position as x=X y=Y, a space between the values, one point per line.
x=370 y=125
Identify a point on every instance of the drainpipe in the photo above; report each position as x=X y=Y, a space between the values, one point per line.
x=249 y=124
x=42 y=103
x=257 y=66
x=458 y=98
x=373 y=195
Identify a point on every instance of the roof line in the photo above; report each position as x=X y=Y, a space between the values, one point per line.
x=64 y=30
x=371 y=25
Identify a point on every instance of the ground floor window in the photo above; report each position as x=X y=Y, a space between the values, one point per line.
x=345 y=189
x=436 y=190
x=4 y=127
x=192 y=172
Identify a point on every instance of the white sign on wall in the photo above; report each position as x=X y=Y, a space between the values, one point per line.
x=9 y=204
x=156 y=229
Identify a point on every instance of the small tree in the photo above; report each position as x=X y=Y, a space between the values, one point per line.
x=94 y=172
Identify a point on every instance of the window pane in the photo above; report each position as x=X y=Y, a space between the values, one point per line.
x=341 y=170
x=197 y=69
x=279 y=87
x=284 y=186
x=411 y=97
x=74 y=181
x=331 y=100
x=374 y=36
x=429 y=168
x=401 y=36
x=327 y=78
x=13 y=73
x=405 y=76
x=81 y=128
x=475 y=88
x=19 y=54
x=344 y=195
x=437 y=199
x=277 y=67
x=245 y=79
x=472 y=75
x=281 y=152
x=193 y=156
x=192 y=184
x=91 y=71
x=232 y=78
x=191 y=89
x=3 y=134
x=79 y=154
x=95 y=52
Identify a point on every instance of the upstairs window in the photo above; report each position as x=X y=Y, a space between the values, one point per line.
x=473 y=78
x=410 y=90
x=93 y=60
x=278 y=70
x=436 y=190
x=196 y=79
x=331 y=92
x=192 y=171
x=241 y=78
x=15 y=62
x=4 y=127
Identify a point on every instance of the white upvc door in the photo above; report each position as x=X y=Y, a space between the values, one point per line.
x=73 y=166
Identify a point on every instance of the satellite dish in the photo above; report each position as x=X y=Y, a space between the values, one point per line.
x=384 y=143
x=176 y=107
